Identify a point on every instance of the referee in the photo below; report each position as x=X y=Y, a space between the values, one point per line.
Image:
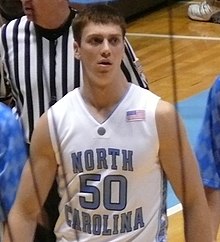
x=37 y=52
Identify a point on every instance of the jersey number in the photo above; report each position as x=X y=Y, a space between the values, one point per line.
x=87 y=186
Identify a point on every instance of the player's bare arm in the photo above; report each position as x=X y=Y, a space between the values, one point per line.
x=180 y=166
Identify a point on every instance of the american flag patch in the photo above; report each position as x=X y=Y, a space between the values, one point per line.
x=135 y=115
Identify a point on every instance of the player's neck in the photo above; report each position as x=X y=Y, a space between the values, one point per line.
x=102 y=102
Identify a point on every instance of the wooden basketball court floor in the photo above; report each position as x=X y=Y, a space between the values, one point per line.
x=180 y=58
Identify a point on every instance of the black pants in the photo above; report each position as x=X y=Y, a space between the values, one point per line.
x=44 y=235
x=51 y=207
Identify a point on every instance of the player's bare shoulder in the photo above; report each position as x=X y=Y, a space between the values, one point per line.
x=166 y=117
x=165 y=110
x=41 y=135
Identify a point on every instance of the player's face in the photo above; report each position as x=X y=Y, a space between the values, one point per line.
x=101 y=49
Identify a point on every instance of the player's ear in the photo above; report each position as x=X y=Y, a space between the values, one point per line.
x=76 y=50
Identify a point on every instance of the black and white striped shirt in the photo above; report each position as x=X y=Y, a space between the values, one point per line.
x=41 y=67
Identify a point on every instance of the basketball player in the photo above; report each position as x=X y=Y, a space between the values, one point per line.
x=208 y=153
x=111 y=145
x=13 y=155
x=36 y=51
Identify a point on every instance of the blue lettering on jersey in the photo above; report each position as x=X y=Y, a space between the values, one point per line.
x=101 y=158
x=111 y=195
x=105 y=225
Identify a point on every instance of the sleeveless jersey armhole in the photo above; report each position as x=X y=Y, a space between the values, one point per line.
x=53 y=135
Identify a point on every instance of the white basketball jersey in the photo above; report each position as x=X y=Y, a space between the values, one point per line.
x=111 y=184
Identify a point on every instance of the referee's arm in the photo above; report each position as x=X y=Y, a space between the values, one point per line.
x=5 y=89
x=132 y=67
